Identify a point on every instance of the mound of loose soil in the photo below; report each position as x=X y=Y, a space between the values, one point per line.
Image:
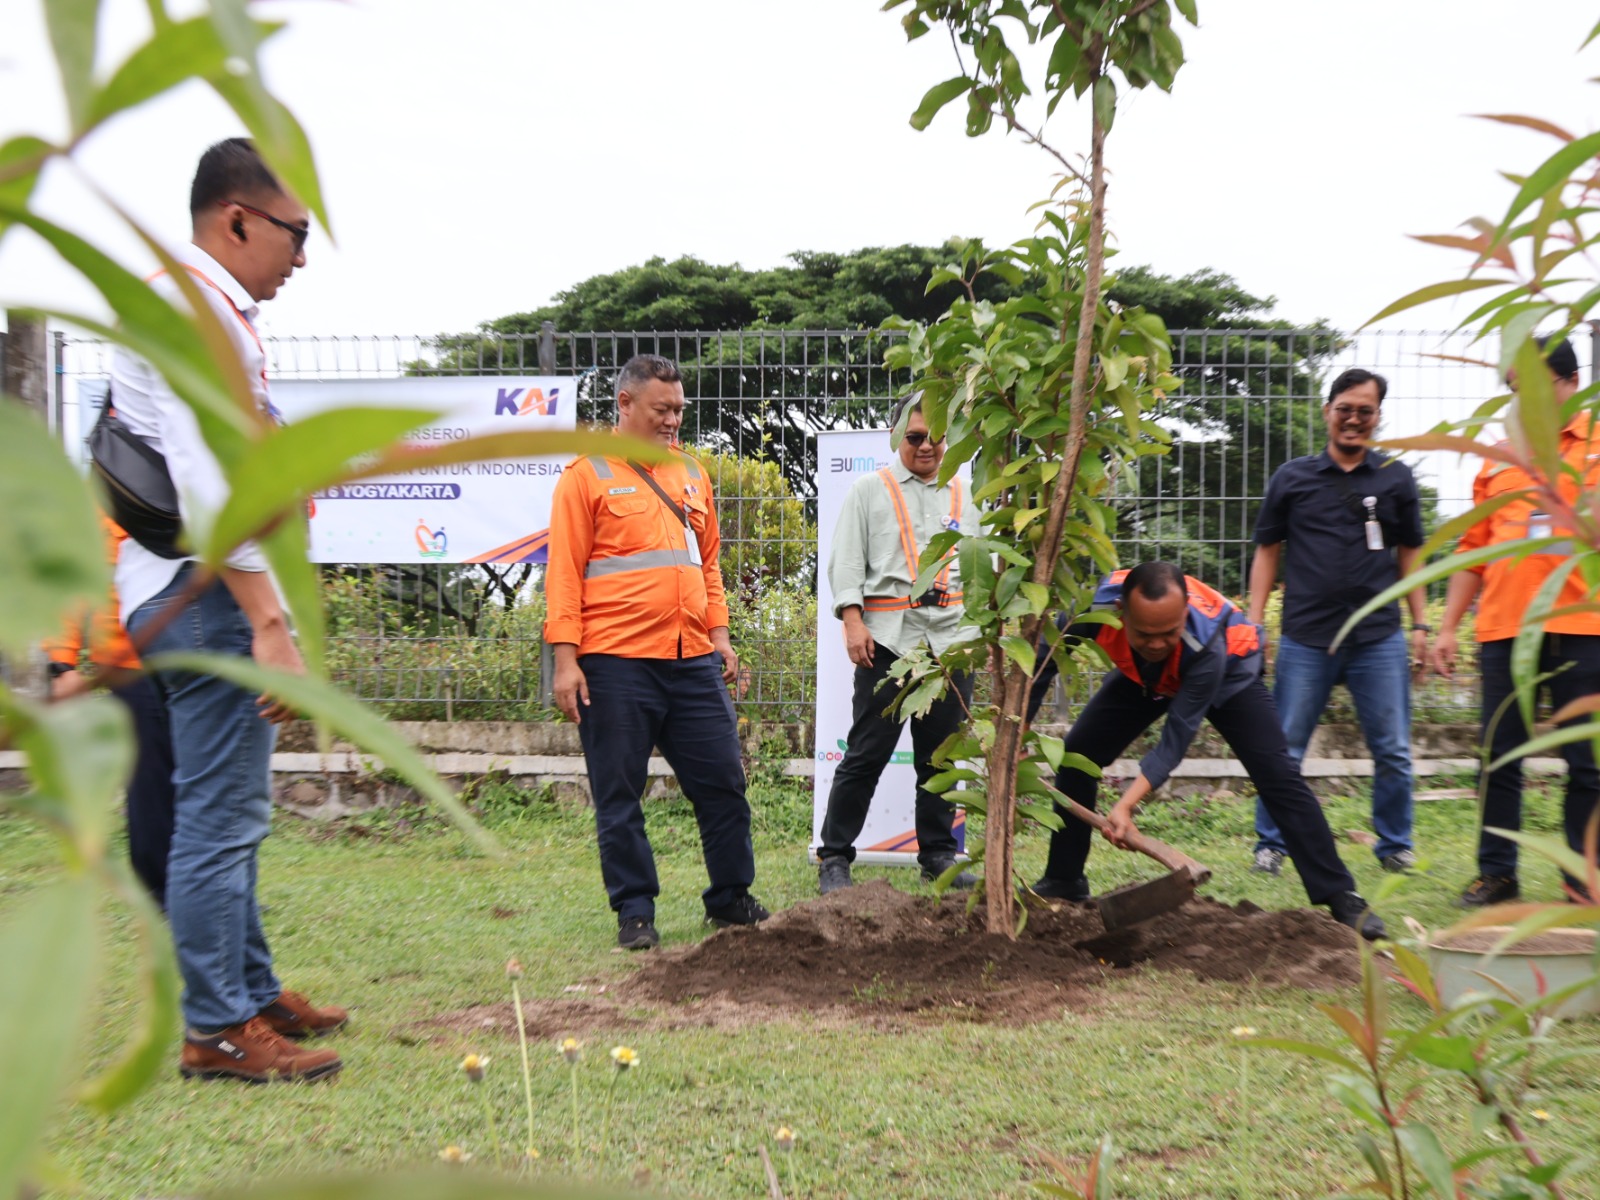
x=874 y=954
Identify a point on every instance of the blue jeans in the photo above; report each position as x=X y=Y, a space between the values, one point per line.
x=222 y=807
x=1378 y=676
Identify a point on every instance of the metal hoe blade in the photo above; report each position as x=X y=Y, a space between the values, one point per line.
x=1136 y=902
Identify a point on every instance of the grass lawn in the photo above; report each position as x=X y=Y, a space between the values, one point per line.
x=403 y=923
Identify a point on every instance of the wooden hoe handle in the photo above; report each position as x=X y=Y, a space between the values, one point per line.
x=1169 y=857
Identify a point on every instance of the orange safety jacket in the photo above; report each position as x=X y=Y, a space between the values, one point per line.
x=1509 y=586
x=1211 y=616
x=939 y=594
x=623 y=577
x=108 y=642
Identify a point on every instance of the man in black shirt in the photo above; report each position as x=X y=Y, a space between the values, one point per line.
x=1352 y=520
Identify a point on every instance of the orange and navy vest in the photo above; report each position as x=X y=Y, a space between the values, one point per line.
x=1212 y=617
x=938 y=594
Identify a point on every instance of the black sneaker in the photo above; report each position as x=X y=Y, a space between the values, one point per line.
x=1348 y=908
x=1062 y=889
x=1489 y=889
x=939 y=864
x=746 y=910
x=637 y=933
x=832 y=874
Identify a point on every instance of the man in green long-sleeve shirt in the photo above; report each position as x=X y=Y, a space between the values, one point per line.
x=888 y=517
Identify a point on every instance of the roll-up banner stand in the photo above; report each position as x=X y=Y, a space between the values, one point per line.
x=890 y=835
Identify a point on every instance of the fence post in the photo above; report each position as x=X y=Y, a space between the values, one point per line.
x=61 y=385
x=547 y=348
x=1594 y=351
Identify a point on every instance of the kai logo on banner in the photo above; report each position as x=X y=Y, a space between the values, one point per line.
x=431 y=543
x=524 y=402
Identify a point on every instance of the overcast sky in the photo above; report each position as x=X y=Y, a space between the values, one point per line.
x=482 y=155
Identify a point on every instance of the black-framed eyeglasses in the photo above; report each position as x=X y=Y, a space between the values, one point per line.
x=298 y=232
x=1346 y=413
x=915 y=440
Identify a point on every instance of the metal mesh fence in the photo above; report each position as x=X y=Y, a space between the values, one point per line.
x=452 y=641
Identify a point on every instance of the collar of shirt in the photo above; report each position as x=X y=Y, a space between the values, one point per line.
x=192 y=256
x=1371 y=462
x=906 y=475
x=1580 y=428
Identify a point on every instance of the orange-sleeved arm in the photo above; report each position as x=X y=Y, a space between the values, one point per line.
x=571 y=539
x=67 y=646
x=107 y=641
x=710 y=539
x=1480 y=534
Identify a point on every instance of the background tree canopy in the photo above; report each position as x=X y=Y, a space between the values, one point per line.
x=1195 y=505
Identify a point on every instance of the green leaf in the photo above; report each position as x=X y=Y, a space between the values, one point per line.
x=1534 y=422
x=1305 y=1049
x=74 y=26
x=278 y=137
x=1421 y=1145
x=288 y=554
x=1187 y=8
x=277 y=473
x=1556 y=738
x=1368 y=1147
x=1550 y=174
x=936 y=97
x=79 y=754
x=1105 y=102
x=147 y=324
x=1458 y=525
x=351 y=719
x=1434 y=291
x=176 y=52
x=50 y=540
x=1020 y=651
x=21 y=160
x=147 y=1049
x=1052 y=748
x=49 y=946
x=1530 y=637
x=1450 y=1053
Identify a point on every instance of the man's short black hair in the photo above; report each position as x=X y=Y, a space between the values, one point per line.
x=642 y=368
x=230 y=170
x=1354 y=378
x=1559 y=356
x=1153 y=580
x=905 y=406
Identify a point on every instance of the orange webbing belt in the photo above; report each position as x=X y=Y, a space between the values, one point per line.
x=908 y=543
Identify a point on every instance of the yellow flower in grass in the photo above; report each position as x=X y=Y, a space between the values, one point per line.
x=624 y=1057
x=572 y=1051
x=785 y=1138
x=1540 y=1115
x=473 y=1065
x=454 y=1155
x=1244 y=1031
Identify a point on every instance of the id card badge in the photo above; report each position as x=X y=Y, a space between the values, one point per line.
x=694 y=544
x=1540 y=525
x=1374 y=529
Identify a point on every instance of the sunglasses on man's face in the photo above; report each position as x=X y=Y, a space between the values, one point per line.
x=915 y=440
x=298 y=232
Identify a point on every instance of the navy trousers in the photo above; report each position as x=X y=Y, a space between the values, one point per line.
x=150 y=790
x=682 y=706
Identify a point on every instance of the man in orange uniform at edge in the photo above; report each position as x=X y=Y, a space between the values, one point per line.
x=639 y=629
x=149 y=797
x=1571 y=647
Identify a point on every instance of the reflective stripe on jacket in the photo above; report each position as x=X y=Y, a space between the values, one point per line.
x=1211 y=616
x=940 y=591
x=622 y=577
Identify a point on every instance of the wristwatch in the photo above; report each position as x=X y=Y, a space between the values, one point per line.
x=58 y=669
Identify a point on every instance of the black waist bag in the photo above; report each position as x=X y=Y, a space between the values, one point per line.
x=137 y=485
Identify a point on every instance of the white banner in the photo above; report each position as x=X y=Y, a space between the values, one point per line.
x=481 y=512
x=890 y=834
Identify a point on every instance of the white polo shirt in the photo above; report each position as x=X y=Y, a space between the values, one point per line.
x=149 y=408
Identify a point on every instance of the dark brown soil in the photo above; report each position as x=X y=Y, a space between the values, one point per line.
x=876 y=955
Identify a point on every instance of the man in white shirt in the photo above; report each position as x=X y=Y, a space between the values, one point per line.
x=249 y=236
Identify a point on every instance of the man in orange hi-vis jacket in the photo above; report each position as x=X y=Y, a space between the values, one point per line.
x=639 y=629
x=1569 y=654
x=149 y=797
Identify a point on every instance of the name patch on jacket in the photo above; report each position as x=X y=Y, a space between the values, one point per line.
x=621 y=491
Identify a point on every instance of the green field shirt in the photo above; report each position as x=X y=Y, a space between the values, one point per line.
x=868 y=558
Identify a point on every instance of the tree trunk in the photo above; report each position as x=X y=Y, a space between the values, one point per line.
x=999 y=823
x=23 y=374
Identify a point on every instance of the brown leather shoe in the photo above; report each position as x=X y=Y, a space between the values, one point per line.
x=254 y=1053
x=293 y=1016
